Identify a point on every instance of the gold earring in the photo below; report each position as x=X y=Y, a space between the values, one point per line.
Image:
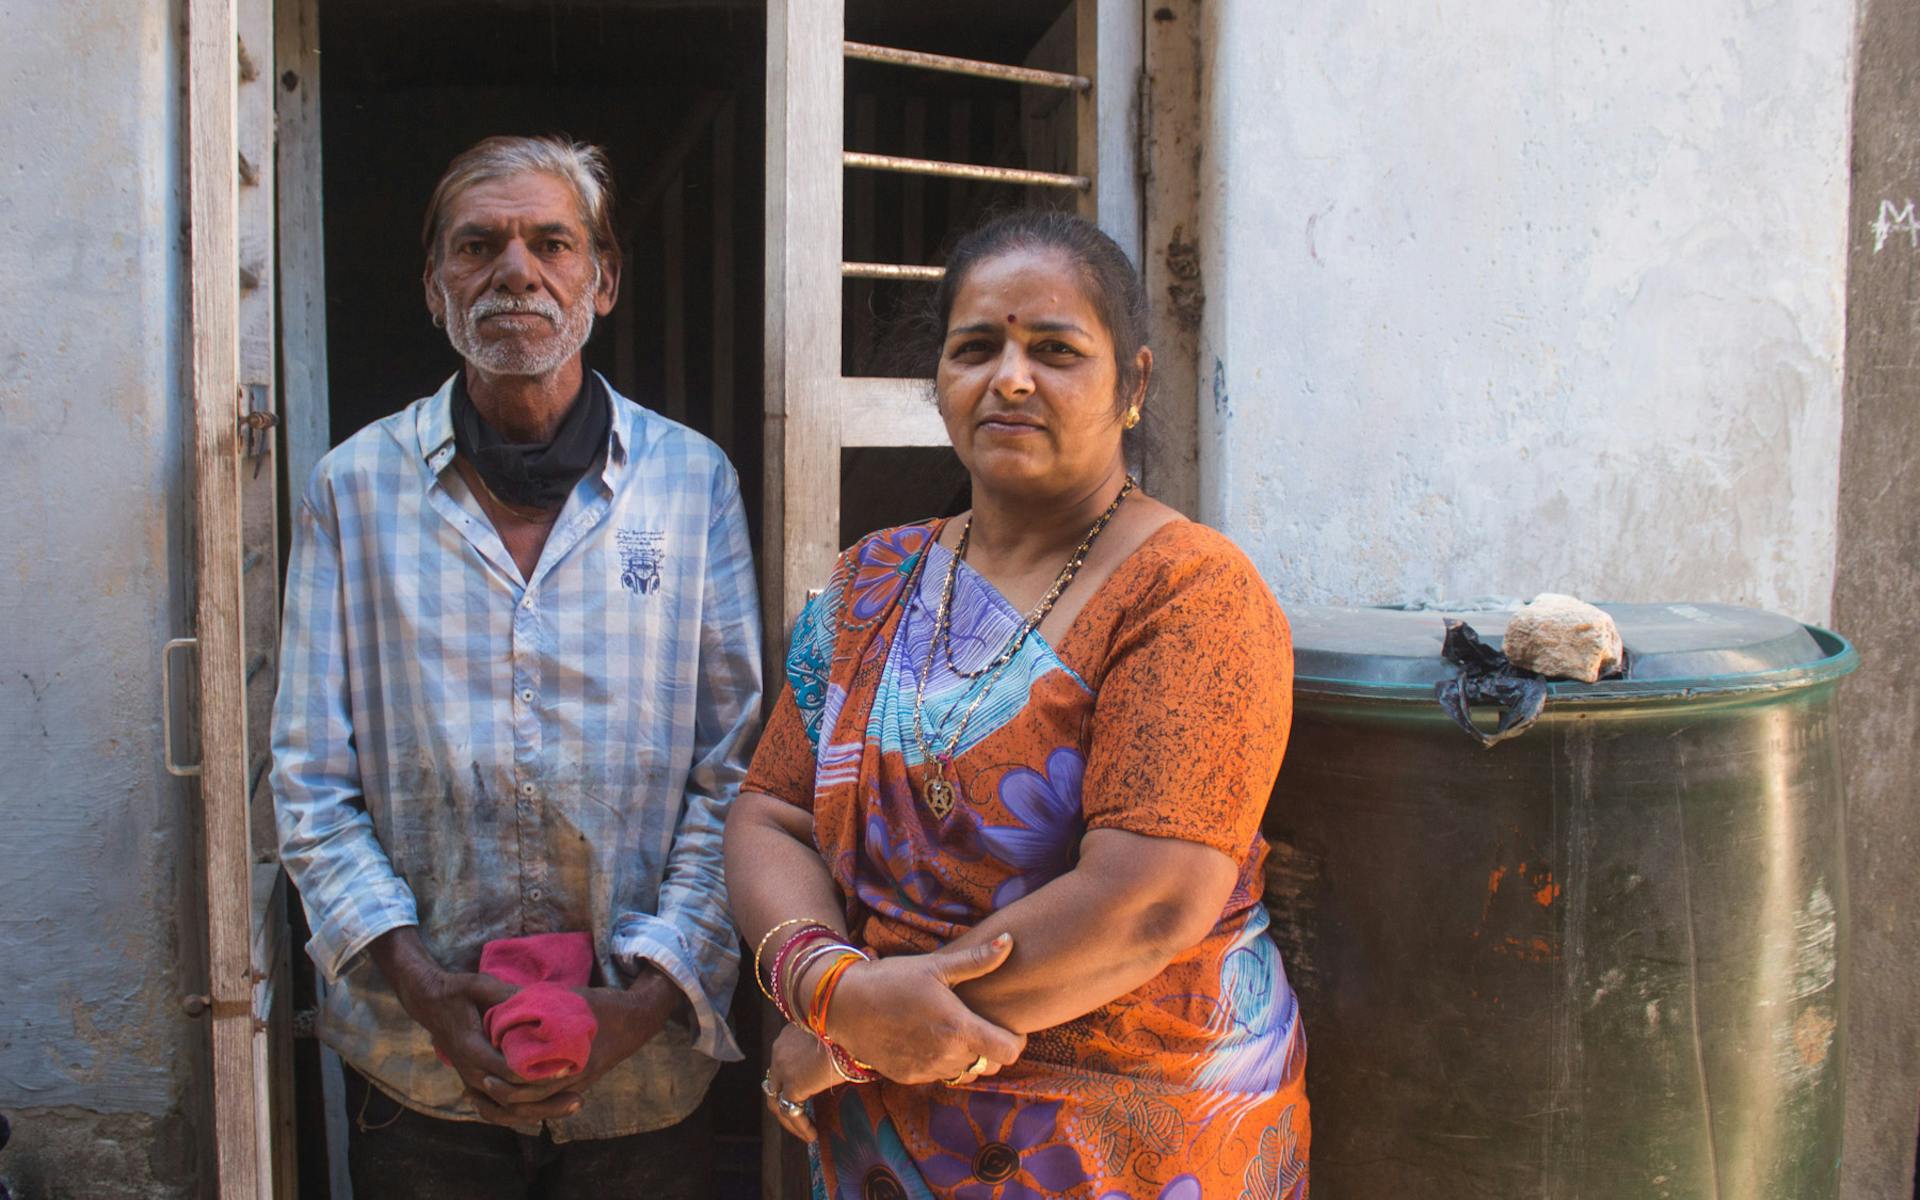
x=1133 y=417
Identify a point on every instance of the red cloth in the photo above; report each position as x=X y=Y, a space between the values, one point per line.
x=546 y=1028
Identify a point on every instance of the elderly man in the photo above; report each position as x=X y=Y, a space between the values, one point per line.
x=520 y=672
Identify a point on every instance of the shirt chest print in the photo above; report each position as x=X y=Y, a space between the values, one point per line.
x=643 y=553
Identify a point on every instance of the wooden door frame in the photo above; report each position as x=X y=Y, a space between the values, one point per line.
x=226 y=315
x=232 y=351
x=303 y=266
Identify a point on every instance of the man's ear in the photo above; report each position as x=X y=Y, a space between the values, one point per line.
x=606 y=288
x=436 y=303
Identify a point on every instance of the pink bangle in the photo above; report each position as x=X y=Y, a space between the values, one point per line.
x=850 y=1068
x=793 y=945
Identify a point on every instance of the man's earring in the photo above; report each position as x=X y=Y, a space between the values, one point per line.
x=436 y=321
x=1133 y=417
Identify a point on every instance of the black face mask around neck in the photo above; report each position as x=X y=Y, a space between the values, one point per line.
x=533 y=474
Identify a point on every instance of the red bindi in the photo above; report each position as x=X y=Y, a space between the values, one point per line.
x=1013 y=318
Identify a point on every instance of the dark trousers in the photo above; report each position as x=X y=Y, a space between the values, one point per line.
x=394 y=1153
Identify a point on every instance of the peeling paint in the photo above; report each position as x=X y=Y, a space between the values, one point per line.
x=1185 y=296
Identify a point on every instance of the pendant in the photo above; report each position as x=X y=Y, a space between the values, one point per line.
x=939 y=797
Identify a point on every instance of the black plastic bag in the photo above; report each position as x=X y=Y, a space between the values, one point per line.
x=1487 y=677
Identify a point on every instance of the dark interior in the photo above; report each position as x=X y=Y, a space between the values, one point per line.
x=674 y=90
x=675 y=96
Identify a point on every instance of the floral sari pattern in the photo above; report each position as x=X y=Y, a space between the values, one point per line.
x=1163 y=712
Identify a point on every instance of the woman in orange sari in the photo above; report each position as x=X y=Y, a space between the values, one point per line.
x=999 y=850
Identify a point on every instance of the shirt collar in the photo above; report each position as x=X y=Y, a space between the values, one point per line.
x=433 y=424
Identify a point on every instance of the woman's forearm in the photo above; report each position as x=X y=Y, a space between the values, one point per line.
x=916 y=1030
x=1101 y=930
x=1068 y=959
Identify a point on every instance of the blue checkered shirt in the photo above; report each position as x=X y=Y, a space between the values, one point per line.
x=486 y=756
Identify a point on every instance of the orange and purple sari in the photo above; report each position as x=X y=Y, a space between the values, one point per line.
x=1163 y=711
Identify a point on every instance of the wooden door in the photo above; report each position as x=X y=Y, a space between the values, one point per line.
x=230 y=106
x=814 y=411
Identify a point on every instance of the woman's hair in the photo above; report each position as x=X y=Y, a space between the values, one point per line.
x=1112 y=285
x=580 y=166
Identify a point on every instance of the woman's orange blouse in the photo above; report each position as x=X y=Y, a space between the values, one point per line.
x=1163 y=711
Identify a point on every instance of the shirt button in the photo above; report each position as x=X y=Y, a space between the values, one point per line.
x=527 y=695
x=535 y=895
x=526 y=789
x=527 y=603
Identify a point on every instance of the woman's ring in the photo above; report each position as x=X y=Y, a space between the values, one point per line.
x=967 y=1073
x=791 y=1108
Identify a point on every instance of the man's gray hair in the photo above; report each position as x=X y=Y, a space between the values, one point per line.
x=581 y=166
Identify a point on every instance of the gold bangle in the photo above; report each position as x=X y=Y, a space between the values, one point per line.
x=761 y=948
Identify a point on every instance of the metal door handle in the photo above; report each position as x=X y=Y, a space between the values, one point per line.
x=166 y=707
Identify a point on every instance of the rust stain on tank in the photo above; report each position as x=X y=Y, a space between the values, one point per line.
x=1813 y=1037
x=1530 y=949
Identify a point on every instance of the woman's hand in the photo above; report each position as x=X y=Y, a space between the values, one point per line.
x=798 y=1070
x=900 y=1015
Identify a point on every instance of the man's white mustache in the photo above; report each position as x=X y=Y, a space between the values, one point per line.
x=494 y=306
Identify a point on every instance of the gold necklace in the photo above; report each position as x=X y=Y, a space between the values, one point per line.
x=939 y=790
x=1039 y=613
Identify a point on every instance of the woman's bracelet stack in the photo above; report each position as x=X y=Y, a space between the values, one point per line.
x=812 y=944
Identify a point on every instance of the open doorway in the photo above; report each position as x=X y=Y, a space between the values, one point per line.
x=675 y=92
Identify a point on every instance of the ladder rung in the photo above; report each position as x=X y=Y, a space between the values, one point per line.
x=952 y=170
x=967 y=66
x=867 y=270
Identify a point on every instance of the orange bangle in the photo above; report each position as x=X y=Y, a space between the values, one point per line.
x=823 y=992
x=819 y=989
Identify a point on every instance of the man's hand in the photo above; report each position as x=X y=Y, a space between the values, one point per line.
x=628 y=1018
x=447 y=1004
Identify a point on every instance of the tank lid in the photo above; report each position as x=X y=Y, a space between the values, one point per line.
x=1698 y=646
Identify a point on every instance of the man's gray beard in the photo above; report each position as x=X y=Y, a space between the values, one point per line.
x=514 y=356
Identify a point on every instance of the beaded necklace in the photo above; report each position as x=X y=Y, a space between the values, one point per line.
x=939 y=790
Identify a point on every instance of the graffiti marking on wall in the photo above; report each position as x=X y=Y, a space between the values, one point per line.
x=1895 y=220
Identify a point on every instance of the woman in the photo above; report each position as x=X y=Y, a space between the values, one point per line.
x=999 y=850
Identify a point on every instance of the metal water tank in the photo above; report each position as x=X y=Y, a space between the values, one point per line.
x=1602 y=959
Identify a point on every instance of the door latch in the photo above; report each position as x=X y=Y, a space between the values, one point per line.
x=258 y=422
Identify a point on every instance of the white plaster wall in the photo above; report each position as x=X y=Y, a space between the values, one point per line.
x=97 y=921
x=1508 y=297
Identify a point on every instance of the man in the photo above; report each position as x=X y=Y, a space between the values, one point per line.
x=520 y=671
